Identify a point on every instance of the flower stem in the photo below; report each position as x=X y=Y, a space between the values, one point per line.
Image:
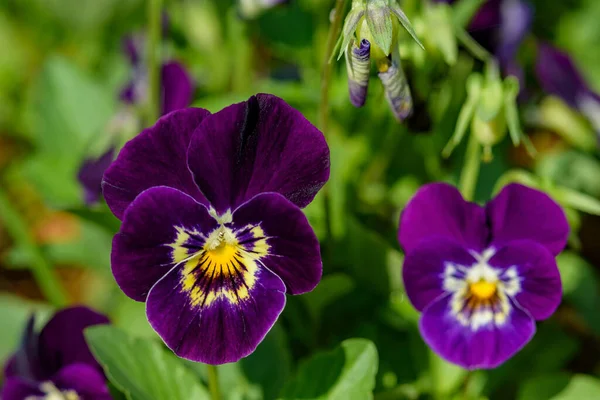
x=471 y=44
x=213 y=382
x=470 y=171
x=154 y=32
x=334 y=31
x=41 y=269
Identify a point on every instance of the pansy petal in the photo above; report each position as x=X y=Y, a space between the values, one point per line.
x=16 y=388
x=519 y=212
x=558 y=75
x=262 y=145
x=292 y=248
x=486 y=347
x=85 y=380
x=177 y=87
x=156 y=157
x=540 y=286
x=424 y=268
x=516 y=22
x=154 y=236
x=438 y=210
x=218 y=320
x=62 y=342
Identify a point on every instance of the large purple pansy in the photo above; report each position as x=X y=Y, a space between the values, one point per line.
x=57 y=363
x=213 y=236
x=481 y=276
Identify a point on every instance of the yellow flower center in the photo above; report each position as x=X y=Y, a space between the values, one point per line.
x=483 y=290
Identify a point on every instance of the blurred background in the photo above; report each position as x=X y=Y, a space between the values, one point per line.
x=74 y=89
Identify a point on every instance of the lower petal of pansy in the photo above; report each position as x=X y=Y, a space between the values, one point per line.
x=539 y=289
x=216 y=313
x=429 y=268
x=161 y=228
x=474 y=346
x=16 y=388
x=291 y=249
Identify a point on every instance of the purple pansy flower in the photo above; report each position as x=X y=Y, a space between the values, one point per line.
x=481 y=276
x=213 y=236
x=559 y=76
x=56 y=363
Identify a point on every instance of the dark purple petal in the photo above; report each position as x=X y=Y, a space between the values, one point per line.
x=262 y=145
x=145 y=248
x=519 y=212
x=488 y=16
x=177 y=87
x=90 y=176
x=358 y=64
x=438 y=210
x=16 y=388
x=516 y=18
x=62 y=342
x=294 y=254
x=156 y=157
x=25 y=362
x=127 y=94
x=131 y=48
x=85 y=380
x=558 y=75
x=424 y=266
x=541 y=288
x=487 y=347
x=224 y=326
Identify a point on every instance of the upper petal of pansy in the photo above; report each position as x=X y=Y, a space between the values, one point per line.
x=558 y=75
x=161 y=228
x=278 y=231
x=438 y=210
x=425 y=267
x=262 y=145
x=156 y=157
x=519 y=212
x=177 y=87
x=486 y=347
x=61 y=341
x=217 y=308
x=540 y=288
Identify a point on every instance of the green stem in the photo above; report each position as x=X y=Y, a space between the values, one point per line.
x=470 y=171
x=41 y=269
x=213 y=382
x=334 y=31
x=471 y=44
x=154 y=33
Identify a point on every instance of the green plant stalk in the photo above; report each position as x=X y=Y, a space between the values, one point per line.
x=213 y=382
x=323 y=116
x=470 y=171
x=154 y=33
x=41 y=269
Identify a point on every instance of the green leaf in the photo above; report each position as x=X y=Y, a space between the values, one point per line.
x=380 y=25
x=442 y=31
x=271 y=363
x=580 y=387
x=346 y=373
x=142 y=369
x=464 y=11
x=543 y=387
x=578 y=201
x=331 y=288
x=406 y=23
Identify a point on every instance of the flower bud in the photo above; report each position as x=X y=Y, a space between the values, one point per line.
x=358 y=64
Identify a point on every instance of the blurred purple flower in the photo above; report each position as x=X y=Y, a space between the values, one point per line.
x=213 y=236
x=57 y=363
x=90 y=176
x=558 y=76
x=481 y=276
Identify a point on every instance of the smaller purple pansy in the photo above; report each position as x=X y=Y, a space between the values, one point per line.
x=213 y=236
x=56 y=363
x=558 y=76
x=481 y=276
